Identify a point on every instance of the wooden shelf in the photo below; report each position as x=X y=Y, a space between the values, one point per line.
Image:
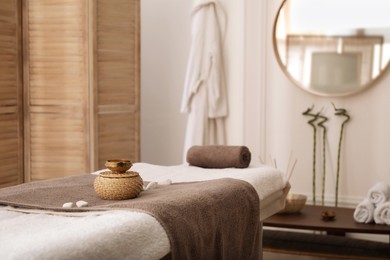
x=334 y=244
x=310 y=219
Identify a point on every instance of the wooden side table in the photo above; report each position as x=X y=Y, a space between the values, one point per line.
x=310 y=219
x=324 y=245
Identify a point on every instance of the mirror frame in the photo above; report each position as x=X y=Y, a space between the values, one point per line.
x=298 y=84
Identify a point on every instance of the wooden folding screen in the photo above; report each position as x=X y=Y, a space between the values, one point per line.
x=56 y=88
x=116 y=74
x=11 y=121
x=80 y=85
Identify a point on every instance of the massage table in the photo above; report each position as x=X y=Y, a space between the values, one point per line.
x=121 y=234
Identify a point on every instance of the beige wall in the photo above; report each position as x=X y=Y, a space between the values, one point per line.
x=165 y=44
x=265 y=106
x=366 y=145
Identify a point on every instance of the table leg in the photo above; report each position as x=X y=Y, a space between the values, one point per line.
x=336 y=233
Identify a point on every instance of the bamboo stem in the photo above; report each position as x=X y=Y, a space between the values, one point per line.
x=321 y=124
x=340 y=112
x=311 y=122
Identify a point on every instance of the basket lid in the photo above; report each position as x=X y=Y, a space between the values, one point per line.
x=128 y=174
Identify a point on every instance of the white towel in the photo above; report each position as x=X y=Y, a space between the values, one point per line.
x=266 y=180
x=364 y=212
x=382 y=213
x=379 y=193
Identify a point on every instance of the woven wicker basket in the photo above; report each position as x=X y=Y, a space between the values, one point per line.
x=118 y=186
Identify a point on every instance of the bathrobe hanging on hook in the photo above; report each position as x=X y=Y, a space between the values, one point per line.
x=204 y=97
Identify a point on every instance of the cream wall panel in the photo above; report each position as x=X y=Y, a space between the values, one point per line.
x=165 y=38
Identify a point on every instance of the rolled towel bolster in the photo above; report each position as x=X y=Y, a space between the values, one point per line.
x=379 y=193
x=364 y=212
x=219 y=156
x=382 y=213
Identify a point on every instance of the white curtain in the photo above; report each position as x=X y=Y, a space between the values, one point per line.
x=204 y=97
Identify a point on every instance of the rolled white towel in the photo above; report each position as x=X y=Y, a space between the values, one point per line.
x=364 y=212
x=382 y=213
x=379 y=193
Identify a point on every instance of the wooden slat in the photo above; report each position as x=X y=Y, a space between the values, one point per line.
x=57 y=144
x=117 y=46
x=117 y=137
x=57 y=109
x=9 y=56
x=117 y=80
x=57 y=89
x=117 y=109
x=10 y=157
x=57 y=62
x=11 y=142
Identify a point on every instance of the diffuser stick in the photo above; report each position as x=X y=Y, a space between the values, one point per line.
x=292 y=170
x=289 y=162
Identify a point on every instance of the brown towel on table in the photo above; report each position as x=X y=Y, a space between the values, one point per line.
x=217 y=219
x=219 y=156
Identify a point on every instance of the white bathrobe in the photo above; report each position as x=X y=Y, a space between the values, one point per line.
x=204 y=97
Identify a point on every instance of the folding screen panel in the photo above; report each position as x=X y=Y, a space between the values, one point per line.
x=56 y=87
x=116 y=74
x=11 y=130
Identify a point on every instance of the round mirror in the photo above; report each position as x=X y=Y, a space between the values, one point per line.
x=333 y=47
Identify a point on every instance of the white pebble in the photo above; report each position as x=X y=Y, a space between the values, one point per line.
x=81 y=203
x=151 y=185
x=67 y=205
